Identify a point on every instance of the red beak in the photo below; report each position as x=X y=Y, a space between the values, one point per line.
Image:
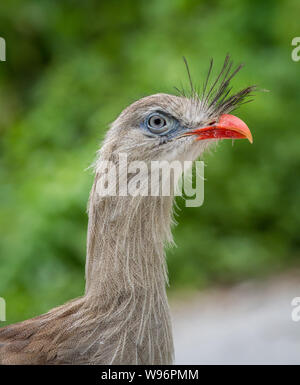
x=228 y=127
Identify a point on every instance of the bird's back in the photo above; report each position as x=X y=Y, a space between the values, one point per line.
x=40 y=340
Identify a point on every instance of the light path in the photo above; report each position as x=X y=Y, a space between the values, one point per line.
x=248 y=324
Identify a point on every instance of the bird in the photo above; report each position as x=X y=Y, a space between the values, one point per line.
x=123 y=317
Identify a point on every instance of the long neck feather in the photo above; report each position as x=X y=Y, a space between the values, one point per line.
x=126 y=272
x=126 y=240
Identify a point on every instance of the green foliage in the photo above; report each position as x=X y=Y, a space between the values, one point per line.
x=72 y=67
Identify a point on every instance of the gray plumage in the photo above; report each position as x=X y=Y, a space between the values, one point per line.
x=123 y=317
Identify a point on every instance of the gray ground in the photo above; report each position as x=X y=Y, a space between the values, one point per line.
x=248 y=324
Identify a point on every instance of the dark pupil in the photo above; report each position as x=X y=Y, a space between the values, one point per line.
x=157 y=121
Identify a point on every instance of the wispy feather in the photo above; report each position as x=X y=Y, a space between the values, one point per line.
x=216 y=96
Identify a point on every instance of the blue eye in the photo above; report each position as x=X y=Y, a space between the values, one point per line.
x=157 y=124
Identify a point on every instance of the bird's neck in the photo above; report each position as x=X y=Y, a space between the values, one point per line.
x=126 y=276
x=126 y=240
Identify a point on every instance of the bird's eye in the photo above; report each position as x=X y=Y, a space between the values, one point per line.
x=157 y=124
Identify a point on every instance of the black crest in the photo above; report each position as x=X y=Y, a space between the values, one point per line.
x=216 y=96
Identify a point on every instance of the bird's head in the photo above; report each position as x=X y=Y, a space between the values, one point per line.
x=169 y=127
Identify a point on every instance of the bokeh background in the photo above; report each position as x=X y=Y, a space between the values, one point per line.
x=72 y=66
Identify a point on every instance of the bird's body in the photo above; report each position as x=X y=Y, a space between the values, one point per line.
x=123 y=317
